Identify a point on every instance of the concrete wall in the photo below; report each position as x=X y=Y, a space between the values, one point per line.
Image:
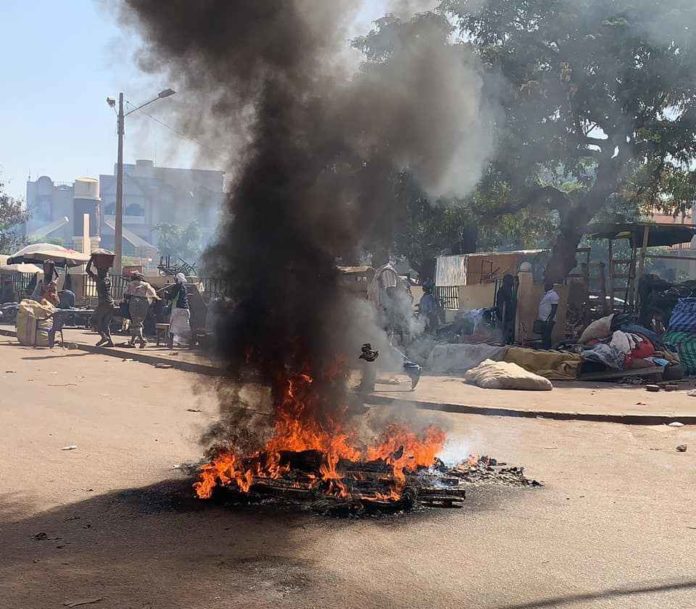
x=479 y=296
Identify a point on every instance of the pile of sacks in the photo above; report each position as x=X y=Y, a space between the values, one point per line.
x=681 y=334
x=614 y=342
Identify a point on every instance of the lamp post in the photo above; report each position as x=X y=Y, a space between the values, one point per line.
x=120 y=127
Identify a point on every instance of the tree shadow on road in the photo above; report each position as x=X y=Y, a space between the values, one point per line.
x=158 y=546
x=155 y=546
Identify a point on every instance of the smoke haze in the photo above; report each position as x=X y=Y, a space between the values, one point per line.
x=313 y=145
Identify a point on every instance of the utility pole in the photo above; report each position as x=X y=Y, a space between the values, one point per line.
x=118 y=220
x=121 y=128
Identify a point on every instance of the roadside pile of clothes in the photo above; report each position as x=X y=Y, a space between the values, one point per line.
x=615 y=343
x=681 y=334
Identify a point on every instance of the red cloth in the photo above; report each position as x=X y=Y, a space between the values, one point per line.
x=644 y=349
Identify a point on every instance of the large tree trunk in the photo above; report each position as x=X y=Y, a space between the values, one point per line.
x=574 y=221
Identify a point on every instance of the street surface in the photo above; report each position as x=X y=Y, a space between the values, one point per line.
x=113 y=520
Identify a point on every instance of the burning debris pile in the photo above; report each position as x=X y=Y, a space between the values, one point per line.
x=304 y=457
x=327 y=468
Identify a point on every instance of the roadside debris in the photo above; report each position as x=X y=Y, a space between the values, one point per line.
x=681 y=448
x=691 y=393
x=652 y=388
x=86 y=601
x=675 y=424
x=41 y=536
x=163 y=365
x=70 y=447
x=193 y=410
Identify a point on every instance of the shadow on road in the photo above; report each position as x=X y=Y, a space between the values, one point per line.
x=158 y=546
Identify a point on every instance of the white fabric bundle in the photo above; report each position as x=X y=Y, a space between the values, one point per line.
x=505 y=375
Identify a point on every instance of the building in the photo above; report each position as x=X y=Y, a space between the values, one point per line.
x=151 y=196
x=57 y=210
x=159 y=195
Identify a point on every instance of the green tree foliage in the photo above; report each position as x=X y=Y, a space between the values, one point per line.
x=601 y=93
x=12 y=216
x=184 y=242
x=425 y=228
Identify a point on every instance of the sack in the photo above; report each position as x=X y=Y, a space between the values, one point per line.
x=538 y=326
x=598 y=329
x=33 y=322
x=504 y=375
x=683 y=317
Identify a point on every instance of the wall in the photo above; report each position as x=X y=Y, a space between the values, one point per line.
x=480 y=296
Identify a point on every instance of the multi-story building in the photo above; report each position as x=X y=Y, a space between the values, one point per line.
x=151 y=196
x=159 y=195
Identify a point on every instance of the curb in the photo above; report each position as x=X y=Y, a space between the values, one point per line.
x=139 y=356
x=626 y=419
x=145 y=358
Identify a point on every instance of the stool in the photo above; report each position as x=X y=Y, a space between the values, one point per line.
x=162 y=331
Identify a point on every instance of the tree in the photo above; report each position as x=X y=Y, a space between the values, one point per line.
x=602 y=93
x=12 y=216
x=184 y=242
x=424 y=227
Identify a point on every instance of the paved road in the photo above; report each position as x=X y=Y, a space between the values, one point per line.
x=615 y=525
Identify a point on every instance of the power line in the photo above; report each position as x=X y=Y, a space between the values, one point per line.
x=174 y=131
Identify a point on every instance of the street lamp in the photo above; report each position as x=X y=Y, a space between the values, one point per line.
x=118 y=219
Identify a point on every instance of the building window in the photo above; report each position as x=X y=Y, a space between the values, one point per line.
x=135 y=210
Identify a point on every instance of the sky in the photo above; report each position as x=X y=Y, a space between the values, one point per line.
x=61 y=59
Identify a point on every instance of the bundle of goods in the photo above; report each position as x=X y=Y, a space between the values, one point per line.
x=681 y=334
x=616 y=343
x=505 y=375
x=34 y=322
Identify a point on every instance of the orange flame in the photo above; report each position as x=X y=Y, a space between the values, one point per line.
x=297 y=429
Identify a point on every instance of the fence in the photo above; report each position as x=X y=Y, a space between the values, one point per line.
x=20 y=283
x=118 y=287
x=448 y=296
x=212 y=287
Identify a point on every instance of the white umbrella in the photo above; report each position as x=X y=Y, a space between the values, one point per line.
x=17 y=268
x=38 y=253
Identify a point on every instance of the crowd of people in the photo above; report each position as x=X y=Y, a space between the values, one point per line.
x=137 y=304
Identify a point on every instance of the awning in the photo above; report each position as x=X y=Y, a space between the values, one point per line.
x=659 y=235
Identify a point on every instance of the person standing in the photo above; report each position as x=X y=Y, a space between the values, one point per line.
x=139 y=294
x=546 y=316
x=430 y=308
x=180 y=318
x=105 y=304
x=506 y=306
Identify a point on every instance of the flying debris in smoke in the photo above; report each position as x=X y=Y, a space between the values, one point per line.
x=314 y=146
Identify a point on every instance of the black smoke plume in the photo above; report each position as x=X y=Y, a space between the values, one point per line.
x=314 y=146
